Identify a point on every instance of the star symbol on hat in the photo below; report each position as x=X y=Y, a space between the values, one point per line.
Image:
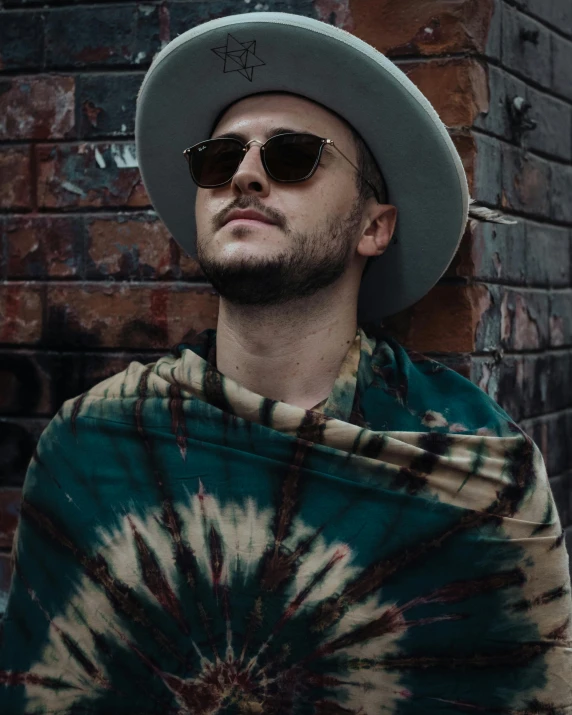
x=239 y=56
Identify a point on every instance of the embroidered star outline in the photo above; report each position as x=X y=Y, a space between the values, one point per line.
x=239 y=56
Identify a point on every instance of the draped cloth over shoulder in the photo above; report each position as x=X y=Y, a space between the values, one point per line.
x=187 y=546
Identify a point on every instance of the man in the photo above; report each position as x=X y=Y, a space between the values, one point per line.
x=291 y=514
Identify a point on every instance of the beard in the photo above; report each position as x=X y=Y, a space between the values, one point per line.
x=313 y=262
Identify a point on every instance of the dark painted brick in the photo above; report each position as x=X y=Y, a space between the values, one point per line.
x=504 y=88
x=9 y=512
x=190 y=13
x=18 y=438
x=547 y=255
x=27 y=380
x=526 y=46
x=557 y=13
x=525 y=182
x=553 y=131
x=15 y=177
x=561 y=192
x=102 y=35
x=526 y=385
x=493 y=46
x=562 y=61
x=561 y=318
x=135 y=246
x=40 y=107
x=562 y=491
x=498 y=252
x=107 y=103
x=487 y=172
x=550 y=434
x=21 y=40
x=94 y=175
x=524 y=320
x=44 y=246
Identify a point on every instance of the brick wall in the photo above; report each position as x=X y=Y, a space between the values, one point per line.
x=90 y=279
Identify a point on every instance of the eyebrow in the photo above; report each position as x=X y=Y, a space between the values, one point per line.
x=269 y=133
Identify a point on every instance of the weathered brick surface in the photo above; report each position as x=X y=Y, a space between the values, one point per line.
x=526 y=182
x=93 y=175
x=107 y=103
x=428 y=27
x=28 y=380
x=456 y=88
x=21 y=40
x=557 y=13
x=562 y=61
x=526 y=46
x=103 y=35
x=15 y=178
x=9 y=511
x=135 y=247
x=125 y=316
x=560 y=192
x=18 y=438
x=41 y=107
x=21 y=309
x=560 y=322
x=460 y=310
x=43 y=246
x=552 y=434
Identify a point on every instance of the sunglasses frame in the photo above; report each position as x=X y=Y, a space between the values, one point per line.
x=245 y=147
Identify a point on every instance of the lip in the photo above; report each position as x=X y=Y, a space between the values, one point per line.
x=247 y=216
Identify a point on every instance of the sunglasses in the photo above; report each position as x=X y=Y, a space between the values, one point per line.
x=286 y=158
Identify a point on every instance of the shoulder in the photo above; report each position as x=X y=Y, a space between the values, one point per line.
x=425 y=395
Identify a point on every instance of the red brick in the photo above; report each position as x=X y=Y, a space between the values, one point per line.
x=37 y=107
x=127 y=316
x=458 y=89
x=15 y=178
x=424 y=27
x=445 y=320
x=103 y=174
x=44 y=246
x=560 y=321
x=22 y=314
x=9 y=512
x=135 y=247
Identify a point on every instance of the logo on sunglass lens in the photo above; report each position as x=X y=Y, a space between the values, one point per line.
x=239 y=56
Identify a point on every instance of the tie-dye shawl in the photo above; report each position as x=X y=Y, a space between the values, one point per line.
x=189 y=547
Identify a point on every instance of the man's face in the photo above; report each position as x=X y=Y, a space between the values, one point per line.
x=315 y=224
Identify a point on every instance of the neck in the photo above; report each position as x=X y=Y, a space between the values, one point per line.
x=291 y=352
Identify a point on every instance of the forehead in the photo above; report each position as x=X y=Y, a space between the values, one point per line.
x=258 y=114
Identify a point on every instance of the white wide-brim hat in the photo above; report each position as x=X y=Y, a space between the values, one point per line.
x=204 y=70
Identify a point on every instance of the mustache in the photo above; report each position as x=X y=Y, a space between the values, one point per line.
x=249 y=202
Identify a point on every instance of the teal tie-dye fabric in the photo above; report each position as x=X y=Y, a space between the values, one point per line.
x=189 y=547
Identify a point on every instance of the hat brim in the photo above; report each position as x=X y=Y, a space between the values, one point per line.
x=189 y=83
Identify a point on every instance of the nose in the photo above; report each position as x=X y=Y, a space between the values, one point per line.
x=251 y=178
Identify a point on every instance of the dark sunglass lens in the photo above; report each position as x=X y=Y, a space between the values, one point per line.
x=215 y=162
x=291 y=157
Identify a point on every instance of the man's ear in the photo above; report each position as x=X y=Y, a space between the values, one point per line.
x=379 y=228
